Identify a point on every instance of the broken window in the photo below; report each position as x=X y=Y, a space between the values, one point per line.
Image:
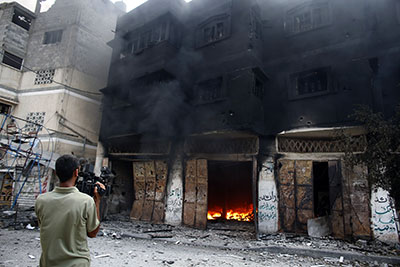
x=4 y=108
x=212 y=30
x=52 y=37
x=307 y=17
x=310 y=82
x=12 y=60
x=44 y=76
x=210 y=90
x=21 y=19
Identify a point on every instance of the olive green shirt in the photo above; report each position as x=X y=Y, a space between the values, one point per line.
x=65 y=217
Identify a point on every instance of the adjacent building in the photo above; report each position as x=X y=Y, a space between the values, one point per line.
x=52 y=65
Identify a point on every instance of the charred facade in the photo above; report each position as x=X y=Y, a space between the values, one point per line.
x=251 y=92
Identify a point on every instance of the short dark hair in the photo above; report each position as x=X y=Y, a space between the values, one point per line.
x=65 y=167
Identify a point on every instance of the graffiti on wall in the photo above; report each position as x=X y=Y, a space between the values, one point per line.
x=267 y=200
x=174 y=203
x=384 y=219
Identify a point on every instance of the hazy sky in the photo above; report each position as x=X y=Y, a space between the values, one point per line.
x=30 y=4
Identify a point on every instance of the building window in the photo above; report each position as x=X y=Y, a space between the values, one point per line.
x=310 y=83
x=35 y=121
x=4 y=108
x=12 y=60
x=21 y=19
x=258 y=88
x=151 y=36
x=44 y=76
x=212 y=30
x=52 y=37
x=307 y=17
x=210 y=91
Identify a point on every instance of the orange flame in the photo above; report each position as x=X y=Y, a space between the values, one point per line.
x=241 y=214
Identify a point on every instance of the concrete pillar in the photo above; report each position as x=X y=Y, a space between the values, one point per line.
x=267 y=198
x=99 y=158
x=384 y=221
x=174 y=207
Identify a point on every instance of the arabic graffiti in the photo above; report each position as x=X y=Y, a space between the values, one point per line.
x=267 y=206
x=384 y=220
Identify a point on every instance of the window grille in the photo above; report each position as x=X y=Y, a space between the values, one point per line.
x=303 y=145
x=34 y=120
x=44 y=76
x=310 y=83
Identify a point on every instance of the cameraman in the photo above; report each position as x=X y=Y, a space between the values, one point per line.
x=66 y=217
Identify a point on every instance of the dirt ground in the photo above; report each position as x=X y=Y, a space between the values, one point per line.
x=139 y=244
x=22 y=248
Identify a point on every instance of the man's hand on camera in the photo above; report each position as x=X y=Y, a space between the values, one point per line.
x=96 y=194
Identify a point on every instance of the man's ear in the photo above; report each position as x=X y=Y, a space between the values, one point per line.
x=76 y=172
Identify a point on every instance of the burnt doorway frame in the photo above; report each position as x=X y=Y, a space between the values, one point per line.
x=292 y=200
x=233 y=158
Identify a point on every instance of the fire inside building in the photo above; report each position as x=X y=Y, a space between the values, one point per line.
x=228 y=110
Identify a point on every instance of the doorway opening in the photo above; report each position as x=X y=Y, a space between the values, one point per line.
x=230 y=196
x=321 y=189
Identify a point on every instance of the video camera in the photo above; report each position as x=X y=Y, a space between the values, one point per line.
x=87 y=180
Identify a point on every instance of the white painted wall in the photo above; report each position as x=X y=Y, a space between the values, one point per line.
x=174 y=207
x=384 y=225
x=267 y=198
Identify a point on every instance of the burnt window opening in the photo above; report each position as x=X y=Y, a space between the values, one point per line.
x=307 y=17
x=12 y=60
x=21 y=19
x=258 y=88
x=52 y=37
x=213 y=33
x=210 y=90
x=4 y=108
x=213 y=30
x=310 y=83
x=321 y=189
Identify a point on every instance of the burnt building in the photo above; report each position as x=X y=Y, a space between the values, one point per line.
x=229 y=110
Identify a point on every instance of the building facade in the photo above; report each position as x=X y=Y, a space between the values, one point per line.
x=52 y=67
x=231 y=110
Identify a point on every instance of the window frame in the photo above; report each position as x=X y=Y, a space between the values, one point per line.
x=151 y=35
x=12 y=57
x=52 y=37
x=6 y=106
x=293 y=79
x=212 y=24
x=25 y=24
x=308 y=8
x=223 y=91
